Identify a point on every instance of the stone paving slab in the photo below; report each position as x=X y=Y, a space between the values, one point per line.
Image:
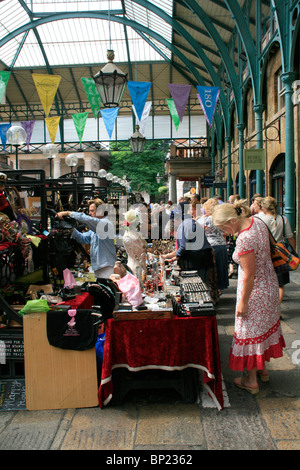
x=176 y=426
x=97 y=429
x=30 y=430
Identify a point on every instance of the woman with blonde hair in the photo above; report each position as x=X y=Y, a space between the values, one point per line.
x=258 y=335
x=256 y=205
x=280 y=228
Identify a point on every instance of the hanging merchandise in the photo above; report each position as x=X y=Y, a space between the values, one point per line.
x=28 y=126
x=3 y=129
x=173 y=112
x=180 y=95
x=208 y=97
x=139 y=93
x=92 y=95
x=109 y=116
x=46 y=86
x=4 y=77
x=79 y=120
x=52 y=126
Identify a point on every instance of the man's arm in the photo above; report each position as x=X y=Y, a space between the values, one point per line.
x=90 y=222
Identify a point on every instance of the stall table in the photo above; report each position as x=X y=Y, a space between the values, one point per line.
x=173 y=344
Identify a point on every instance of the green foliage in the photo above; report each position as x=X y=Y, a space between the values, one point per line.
x=140 y=169
x=163 y=190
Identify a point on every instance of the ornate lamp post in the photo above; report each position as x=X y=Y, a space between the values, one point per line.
x=50 y=151
x=16 y=135
x=71 y=160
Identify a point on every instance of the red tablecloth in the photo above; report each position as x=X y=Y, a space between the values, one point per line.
x=167 y=344
x=82 y=301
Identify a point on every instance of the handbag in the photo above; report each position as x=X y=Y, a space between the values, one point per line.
x=283 y=260
x=72 y=329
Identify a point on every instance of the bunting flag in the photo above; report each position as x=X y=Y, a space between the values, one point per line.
x=46 y=86
x=143 y=121
x=3 y=129
x=28 y=126
x=4 y=77
x=180 y=95
x=109 y=116
x=139 y=93
x=173 y=112
x=52 y=126
x=92 y=95
x=80 y=122
x=208 y=97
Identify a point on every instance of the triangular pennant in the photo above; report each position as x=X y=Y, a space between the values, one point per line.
x=92 y=95
x=4 y=77
x=173 y=112
x=180 y=95
x=109 y=116
x=28 y=126
x=3 y=129
x=139 y=93
x=52 y=126
x=79 y=120
x=208 y=97
x=46 y=86
x=143 y=121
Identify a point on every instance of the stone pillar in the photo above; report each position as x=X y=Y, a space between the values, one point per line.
x=56 y=169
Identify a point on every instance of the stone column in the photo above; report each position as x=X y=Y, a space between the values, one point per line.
x=56 y=167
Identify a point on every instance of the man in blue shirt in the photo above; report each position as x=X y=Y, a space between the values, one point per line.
x=194 y=251
x=100 y=237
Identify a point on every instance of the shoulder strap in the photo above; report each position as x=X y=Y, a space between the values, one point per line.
x=283 y=221
x=272 y=239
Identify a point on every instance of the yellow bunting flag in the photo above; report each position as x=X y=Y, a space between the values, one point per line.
x=52 y=125
x=46 y=86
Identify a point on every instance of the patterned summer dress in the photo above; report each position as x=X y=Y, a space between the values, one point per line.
x=258 y=335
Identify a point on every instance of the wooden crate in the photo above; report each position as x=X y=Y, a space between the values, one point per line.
x=56 y=378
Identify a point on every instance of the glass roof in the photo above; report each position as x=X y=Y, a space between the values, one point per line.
x=73 y=39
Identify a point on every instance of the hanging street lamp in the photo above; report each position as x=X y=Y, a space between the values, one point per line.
x=110 y=82
x=137 y=141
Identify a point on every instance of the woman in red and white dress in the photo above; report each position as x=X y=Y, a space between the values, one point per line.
x=258 y=335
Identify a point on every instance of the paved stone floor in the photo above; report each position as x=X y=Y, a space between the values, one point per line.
x=159 y=421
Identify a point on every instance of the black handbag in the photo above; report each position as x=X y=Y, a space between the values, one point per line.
x=72 y=329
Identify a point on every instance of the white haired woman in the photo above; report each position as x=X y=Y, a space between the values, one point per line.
x=280 y=228
x=258 y=336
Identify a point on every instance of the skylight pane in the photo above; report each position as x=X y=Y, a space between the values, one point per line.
x=152 y=21
x=56 y=6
